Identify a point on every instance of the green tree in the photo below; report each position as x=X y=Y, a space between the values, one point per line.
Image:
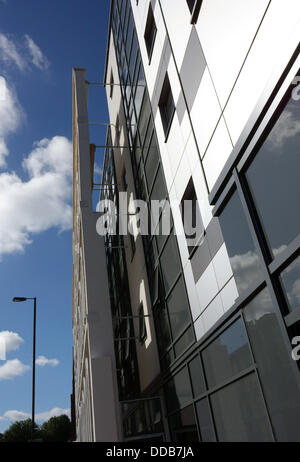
x=56 y=429
x=20 y=431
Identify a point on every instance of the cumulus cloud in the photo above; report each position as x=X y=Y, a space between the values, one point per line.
x=287 y=126
x=11 y=115
x=55 y=412
x=37 y=58
x=42 y=202
x=11 y=340
x=43 y=361
x=12 y=368
x=14 y=415
x=245 y=268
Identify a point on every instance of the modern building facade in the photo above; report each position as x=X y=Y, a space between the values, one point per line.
x=204 y=106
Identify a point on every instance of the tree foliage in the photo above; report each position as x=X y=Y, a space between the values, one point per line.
x=56 y=429
x=20 y=431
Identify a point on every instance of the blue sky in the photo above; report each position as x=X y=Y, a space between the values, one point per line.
x=40 y=42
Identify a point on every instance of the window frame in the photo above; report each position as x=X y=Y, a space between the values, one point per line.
x=150 y=33
x=166 y=116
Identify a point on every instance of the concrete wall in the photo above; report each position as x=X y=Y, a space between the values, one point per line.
x=96 y=395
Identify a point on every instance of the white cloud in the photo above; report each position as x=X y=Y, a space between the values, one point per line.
x=55 y=412
x=97 y=169
x=14 y=415
x=23 y=54
x=37 y=58
x=12 y=368
x=245 y=268
x=42 y=202
x=11 y=340
x=9 y=53
x=11 y=115
x=43 y=361
x=286 y=127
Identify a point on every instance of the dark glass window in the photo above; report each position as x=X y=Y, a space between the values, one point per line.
x=122 y=11
x=273 y=178
x=170 y=263
x=133 y=53
x=178 y=308
x=205 y=422
x=184 y=341
x=274 y=362
x=290 y=279
x=194 y=7
x=159 y=191
x=117 y=132
x=124 y=179
x=142 y=324
x=197 y=377
x=183 y=426
x=178 y=391
x=132 y=244
x=129 y=34
x=150 y=32
x=239 y=412
x=148 y=137
x=137 y=149
x=191 y=4
x=228 y=355
x=166 y=105
x=139 y=92
x=162 y=327
x=191 y=217
x=144 y=117
x=111 y=84
x=152 y=161
x=240 y=247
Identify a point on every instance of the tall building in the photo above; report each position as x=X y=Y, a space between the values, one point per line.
x=200 y=322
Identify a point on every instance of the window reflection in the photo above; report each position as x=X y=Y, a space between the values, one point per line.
x=178 y=308
x=178 y=390
x=290 y=279
x=240 y=247
x=183 y=426
x=239 y=412
x=228 y=355
x=273 y=178
x=273 y=360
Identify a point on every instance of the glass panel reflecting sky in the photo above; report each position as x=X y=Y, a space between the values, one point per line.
x=227 y=355
x=273 y=177
x=239 y=412
x=240 y=247
x=290 y=279
x=273 y=358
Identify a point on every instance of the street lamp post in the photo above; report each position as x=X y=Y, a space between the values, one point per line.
x=23 y=299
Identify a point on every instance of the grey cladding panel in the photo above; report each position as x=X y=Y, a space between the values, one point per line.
x=192 y=68
x=163 y=66
x=208 y=249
